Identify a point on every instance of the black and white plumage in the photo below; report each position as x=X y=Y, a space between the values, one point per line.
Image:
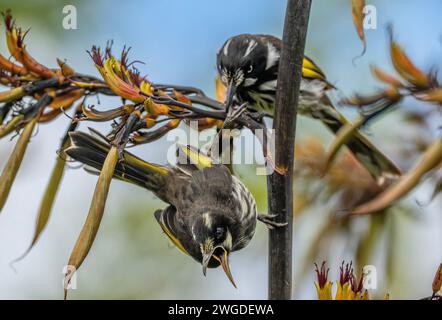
x=211 y=208
x=210 y=214
x=248 y=66
x=251 y=62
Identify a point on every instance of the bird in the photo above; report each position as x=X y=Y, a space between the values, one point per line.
x=210 y=212
x=247 y=65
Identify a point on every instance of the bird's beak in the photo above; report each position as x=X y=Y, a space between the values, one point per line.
x=231 y=91
x=207 y=255
x=223 y=259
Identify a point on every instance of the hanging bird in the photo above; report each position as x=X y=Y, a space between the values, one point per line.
x=248 y=66
x=210 y=214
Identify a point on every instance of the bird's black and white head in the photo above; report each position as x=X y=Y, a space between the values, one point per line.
x=243 y=60
x=212 y=232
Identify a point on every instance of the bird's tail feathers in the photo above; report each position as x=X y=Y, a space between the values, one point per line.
x=375 y=161
x=92 y=149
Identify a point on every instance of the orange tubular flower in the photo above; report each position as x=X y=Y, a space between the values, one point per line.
x=31 y=64
x=385 y=77
x=17 y=48
x=405 y=67
x=110 y=69
x=66 y=100
x=50 y=115
x=91 y=114
x=13 y=68
x=12 y=37
x=65 y=69
x=150 y=122
x=205 y=123
x=117 y=85
x=155 y=109
x=152 y=108
x=146 y=88
x=146 y=137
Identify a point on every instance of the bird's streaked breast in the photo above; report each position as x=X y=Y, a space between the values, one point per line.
x=247 y=215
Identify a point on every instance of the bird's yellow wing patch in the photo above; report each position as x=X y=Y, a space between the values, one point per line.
x=311 y=70
x=145 y=166
x=195 y=157
x=172 y=238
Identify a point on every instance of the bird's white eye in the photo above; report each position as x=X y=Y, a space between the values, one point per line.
x=250 y=69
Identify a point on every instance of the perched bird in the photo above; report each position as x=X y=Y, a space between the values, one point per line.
x=248 y=66
x=210 y=214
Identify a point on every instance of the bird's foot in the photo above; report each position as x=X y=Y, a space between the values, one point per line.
x=269 y=221
x=234 y=113
x=257 y=116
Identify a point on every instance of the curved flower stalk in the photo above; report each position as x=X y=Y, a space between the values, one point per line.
x=431 y=160
x=49 y=196
x=35 y=94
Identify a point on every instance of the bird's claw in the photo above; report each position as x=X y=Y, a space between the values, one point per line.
x=257 y=116
x=234 y=113
x=268 y=220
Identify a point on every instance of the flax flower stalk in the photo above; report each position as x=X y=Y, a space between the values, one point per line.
x=49 y=196
x=12 y=94
x=10 y=126
x=48 y=200
x=342 y=137
x=52 y=187
x=92 y=223
x=430 y=160
x=10 y=170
